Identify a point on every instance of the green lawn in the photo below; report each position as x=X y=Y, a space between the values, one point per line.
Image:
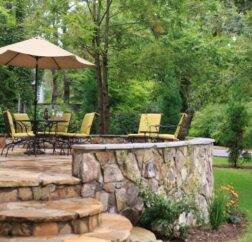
x=241 y=179
x=221 y=161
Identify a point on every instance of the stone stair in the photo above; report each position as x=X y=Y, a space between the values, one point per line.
x=33 y=218
x=112 y=228
x=40 y=201
x=73 y=219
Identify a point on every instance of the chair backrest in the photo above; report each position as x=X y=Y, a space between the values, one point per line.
x=150 y=122
x=87 y=123
x=9 y=124
x=63 y=126
x=183 y=126
x=24 y=126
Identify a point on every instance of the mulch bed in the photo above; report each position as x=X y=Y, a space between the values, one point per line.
x=226 y=232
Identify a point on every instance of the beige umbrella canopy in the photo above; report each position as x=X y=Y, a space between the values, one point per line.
x=48 y=55
x=39 y=53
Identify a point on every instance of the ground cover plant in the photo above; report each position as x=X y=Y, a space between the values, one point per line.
x=217 y=210
x=162 y=213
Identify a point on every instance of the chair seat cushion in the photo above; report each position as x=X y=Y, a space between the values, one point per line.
x=47 y=133
x=143 y=135
x=73 y=135
x=167 y=136
x=23 y=135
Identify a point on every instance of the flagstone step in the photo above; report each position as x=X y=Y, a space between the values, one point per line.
x=113 y=228
x=39 y=193
x=43 y=178
x=34 y=218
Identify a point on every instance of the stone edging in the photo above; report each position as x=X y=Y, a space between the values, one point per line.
x=128 y=146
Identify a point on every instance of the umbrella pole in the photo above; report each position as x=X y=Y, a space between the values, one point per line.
x=36 y=90
x=35 y=107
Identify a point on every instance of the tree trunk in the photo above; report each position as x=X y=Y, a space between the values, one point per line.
x=55 y=88
x=105 y=72
x=97 y=44
x=100 y=93
x=66 y=91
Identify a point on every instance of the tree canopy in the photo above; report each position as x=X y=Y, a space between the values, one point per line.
x=150 y=56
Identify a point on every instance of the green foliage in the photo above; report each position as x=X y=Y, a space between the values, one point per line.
x=14 y=81
x=170 y=101
x=217 y=210
x=162 y=213
x=209 y=122
x=128 y=102
x=229 y=124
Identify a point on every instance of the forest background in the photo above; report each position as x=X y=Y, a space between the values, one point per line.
x=164 y=56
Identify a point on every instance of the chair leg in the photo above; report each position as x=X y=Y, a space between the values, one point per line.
x=7 y=151
x=4 y=149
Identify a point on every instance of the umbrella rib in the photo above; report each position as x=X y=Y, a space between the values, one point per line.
x=56 y=62
x=12 y=58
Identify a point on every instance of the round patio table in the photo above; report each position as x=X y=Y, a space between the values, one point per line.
x=34 y=146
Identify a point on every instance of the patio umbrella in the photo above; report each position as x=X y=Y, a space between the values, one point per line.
x=39 y=53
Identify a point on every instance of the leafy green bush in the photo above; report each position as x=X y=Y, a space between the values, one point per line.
x=209 y=122
x=162 y=214
x=217 y=210
x=217 y=122
x=124 y=123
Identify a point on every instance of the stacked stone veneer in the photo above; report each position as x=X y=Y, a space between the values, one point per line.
x=39 y=193
x=108 y=172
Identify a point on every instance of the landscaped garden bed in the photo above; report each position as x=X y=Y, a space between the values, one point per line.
x=226 y=232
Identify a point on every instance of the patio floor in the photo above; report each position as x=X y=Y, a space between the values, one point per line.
x=19 y=169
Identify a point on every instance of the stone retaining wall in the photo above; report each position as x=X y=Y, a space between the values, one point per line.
x=108 y=172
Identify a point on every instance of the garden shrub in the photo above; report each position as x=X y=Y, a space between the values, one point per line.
x=162 y=213
x=237 y=120
x=124 y=122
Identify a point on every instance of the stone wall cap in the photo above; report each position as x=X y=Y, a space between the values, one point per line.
x=127 y=146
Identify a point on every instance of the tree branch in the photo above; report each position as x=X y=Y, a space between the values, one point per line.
x=90 y=10
x=106 y=11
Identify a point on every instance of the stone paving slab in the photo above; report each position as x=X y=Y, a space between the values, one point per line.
x=69 y=238
x=20 y=170
x=141 y=234
x=59 y=210
x=113 y=226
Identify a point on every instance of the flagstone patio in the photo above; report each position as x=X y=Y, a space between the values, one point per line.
x=19 y=169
